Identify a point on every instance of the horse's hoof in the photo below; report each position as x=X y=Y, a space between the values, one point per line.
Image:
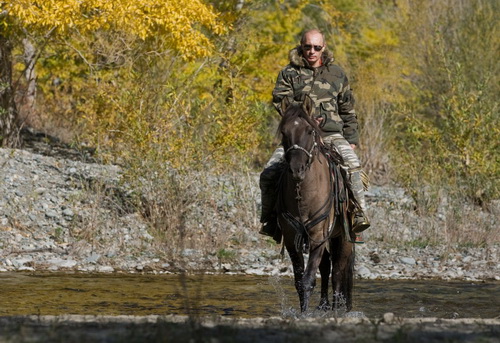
x=324 y=307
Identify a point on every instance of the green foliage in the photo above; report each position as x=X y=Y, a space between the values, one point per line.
x=450 y=127
x=225 y=254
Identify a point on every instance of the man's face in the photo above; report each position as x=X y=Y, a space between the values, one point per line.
x=311 y=43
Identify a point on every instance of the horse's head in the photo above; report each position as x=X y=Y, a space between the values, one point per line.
x=300 y=135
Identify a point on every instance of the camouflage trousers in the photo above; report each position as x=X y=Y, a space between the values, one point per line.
x=273 y=168
x=353 y=166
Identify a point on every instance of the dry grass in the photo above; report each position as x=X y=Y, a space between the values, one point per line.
x=197 y=210
x=218 y=214
x=453 y=224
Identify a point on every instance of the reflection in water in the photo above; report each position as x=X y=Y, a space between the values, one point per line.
x=238 y=296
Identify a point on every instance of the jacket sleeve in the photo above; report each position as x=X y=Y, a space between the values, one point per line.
x=282 y=89
x=345 y=102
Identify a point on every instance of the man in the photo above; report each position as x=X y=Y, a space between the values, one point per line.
x=311 y=72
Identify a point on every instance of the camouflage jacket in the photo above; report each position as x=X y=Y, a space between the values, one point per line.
x=328 y=87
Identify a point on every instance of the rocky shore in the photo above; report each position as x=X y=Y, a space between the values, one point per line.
x=52 y=218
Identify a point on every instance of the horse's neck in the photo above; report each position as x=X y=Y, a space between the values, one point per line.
x=310 y=196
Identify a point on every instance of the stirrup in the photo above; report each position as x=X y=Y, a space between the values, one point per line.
x=360 y=223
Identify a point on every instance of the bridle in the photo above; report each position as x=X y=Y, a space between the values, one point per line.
x=308 y=153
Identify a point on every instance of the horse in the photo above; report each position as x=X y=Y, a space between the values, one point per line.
x=306 y=211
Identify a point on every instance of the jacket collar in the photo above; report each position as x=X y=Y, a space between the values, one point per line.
x=298 y=60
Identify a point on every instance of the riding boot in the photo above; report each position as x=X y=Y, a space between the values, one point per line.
x=268 y=181
x=359 y=222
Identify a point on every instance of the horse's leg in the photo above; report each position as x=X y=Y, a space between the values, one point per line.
x=309 y=278
x=325 y=269
x=342 y=274
x=297 y=258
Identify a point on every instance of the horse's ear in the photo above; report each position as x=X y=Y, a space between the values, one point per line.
x=285 y=102
x=308 y=105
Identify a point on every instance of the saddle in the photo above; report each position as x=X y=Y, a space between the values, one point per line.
x=345 y=203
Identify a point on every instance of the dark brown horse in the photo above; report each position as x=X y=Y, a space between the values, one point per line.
x=306 y=211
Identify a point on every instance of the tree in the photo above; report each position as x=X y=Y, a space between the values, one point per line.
x=183 y=26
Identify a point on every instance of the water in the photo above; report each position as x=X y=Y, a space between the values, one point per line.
x=238 y=296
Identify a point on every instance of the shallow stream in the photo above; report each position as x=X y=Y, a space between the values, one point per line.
x=239 y=296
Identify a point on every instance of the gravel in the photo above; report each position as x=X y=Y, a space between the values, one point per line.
x=52 y=218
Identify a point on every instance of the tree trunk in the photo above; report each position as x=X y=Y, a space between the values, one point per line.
x=26 y=107
x=9 y=131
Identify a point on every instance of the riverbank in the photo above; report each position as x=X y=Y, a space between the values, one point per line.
x=76 y=328
x=67 y=213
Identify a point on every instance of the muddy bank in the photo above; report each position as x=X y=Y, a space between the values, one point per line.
x=74 y=328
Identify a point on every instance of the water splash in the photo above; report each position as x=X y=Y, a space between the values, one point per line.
x=277 y=282
x=289 y=311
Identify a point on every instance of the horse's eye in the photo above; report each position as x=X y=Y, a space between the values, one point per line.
x=284 y=141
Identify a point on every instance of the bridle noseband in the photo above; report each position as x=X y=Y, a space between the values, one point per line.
x=308 y=153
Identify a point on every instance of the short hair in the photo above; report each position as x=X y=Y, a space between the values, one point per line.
x=303 y=38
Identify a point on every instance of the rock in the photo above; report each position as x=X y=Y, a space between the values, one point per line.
x=93 y=258
x=22 y=262
x=60 y=263
x=467 y=259
x=226 y=267
x=26 y=269
x=68 y=212
x=51 y=214
x=364 y=272
x=105 y=269
x=408 y=260
x=389 y=318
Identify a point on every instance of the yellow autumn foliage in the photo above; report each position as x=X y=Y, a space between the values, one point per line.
x=181 y=23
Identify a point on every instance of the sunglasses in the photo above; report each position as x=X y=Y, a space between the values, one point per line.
x=308 y=47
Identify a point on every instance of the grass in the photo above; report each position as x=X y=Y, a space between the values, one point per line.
x=225 y=255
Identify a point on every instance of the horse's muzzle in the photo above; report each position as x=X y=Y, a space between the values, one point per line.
x=298 y=174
